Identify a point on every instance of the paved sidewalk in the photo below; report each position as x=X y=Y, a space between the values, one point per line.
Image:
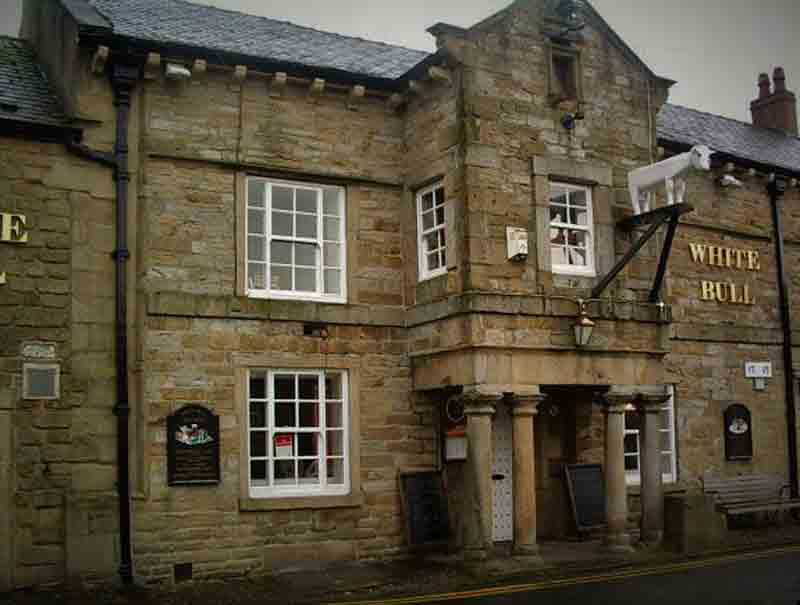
x=424 y=574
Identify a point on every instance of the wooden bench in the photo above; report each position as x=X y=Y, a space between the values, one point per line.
x=750 y=494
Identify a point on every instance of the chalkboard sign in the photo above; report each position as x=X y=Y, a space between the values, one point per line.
x=587 y=494
x=426 y=508
x=193 y=447
x=738 y=433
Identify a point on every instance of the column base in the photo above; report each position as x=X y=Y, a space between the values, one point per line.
x=526 y=550
x=619 y=543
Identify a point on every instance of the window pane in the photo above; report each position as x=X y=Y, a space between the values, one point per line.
x=309 y=416
x=284 y=472
x=255 y=248
x=281 y=278
x=282 y=198
x=258 y=415
x=258 y=386
x=558 y=236
x=258 y=444
x=335 y=443
x=578 y=216
x=427 y=221
x=336 y=472
x=557 y=213
x=307 y=226
x=633 y=421
x=631 y=463
x=333 y=387
x=258 y=471
x=281 y=223
x=281 y=253
x=577 y=238
x=558 y=196
x=431 y=241
x=306 y=200
x=331 y=203
x=333 y=415
x=332 y=228
x=305 y=280
x=442 y=241
x=255 y=193
x=444 y=258
x=284 y=445
x=309 y=387
x=284 y=386
x=558 y=256
x=577 y=197
x=308 y=444
x=333 y=255
x=631 y=444
x=427 y=201
x=309 y=472
x=255 y=222
x=284 y=415
x=256 y=276
x=440 y=215
x=305 y=255
x=577 y=257
x=433 y=261
x=333 y=281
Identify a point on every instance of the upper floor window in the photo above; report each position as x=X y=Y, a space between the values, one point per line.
x=571 y=230
x=666 y=439
x=564 y=84
x=432 y=242
x=296 y=244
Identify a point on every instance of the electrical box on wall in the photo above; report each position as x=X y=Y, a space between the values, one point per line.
x=517 y=242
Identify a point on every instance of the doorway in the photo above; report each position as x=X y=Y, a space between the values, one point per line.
x=502 y=476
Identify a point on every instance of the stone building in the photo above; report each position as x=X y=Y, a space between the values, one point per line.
x=331 y=243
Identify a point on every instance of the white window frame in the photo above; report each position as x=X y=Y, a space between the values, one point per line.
x=56 y=368
x=299 y=491
x=422 y=252
x=588 y=270
x=633 y=477
x=320 y=241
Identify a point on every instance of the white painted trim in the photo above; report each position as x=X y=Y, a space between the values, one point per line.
x=589 y=270
x=424 y=273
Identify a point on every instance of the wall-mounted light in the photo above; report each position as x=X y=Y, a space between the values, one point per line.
x=570 y=120
x=583 y=327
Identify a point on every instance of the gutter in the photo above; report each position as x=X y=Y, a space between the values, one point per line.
x=776 y=189
x=123 y=80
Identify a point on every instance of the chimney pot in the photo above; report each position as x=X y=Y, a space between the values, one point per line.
x=779 y=77
x=764 y=86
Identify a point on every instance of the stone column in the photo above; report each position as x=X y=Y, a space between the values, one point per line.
x=617 y=537
x=479 y=409
x=652 y=528
x=7 y=482
x=524 y=411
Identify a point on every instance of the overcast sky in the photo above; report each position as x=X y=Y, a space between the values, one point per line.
x=715 y=49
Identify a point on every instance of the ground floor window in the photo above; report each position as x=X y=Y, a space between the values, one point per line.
x=667 y=443
x=298 y=427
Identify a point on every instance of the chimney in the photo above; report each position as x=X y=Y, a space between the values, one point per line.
x=775 y=108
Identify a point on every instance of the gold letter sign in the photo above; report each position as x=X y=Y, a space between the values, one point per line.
x=726 y=258
x=13 y=230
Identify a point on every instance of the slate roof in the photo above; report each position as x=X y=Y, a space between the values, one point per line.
x=25 y=95
x=185 y=23
x=731 y=137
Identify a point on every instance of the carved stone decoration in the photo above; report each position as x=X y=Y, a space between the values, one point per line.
x=738 y=433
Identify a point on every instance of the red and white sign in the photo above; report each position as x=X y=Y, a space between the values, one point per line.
x=283 y=446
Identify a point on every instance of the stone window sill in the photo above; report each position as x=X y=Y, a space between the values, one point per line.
x=311 y=502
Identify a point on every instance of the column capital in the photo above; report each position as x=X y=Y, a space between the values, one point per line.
x=479 y=403
x=617 y=403
x=526 y=404
x=652 y=403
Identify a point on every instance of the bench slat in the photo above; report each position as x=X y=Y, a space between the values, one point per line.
x=748 y=493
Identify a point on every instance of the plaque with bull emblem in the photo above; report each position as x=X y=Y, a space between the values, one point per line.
x=738 y=433
x=193 y=447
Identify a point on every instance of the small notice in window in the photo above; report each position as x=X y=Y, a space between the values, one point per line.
x=283 y=446
x=758 y=369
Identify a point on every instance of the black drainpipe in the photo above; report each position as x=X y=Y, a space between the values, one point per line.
x=776 y=189
x=123 y=80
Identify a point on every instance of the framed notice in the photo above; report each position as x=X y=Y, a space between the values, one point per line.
x=587 y=495
x=193 y=447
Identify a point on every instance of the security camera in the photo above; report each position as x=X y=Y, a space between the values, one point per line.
x=729 y=181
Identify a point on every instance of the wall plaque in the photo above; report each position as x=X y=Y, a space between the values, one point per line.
x=738 y=433
x=193 y=447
